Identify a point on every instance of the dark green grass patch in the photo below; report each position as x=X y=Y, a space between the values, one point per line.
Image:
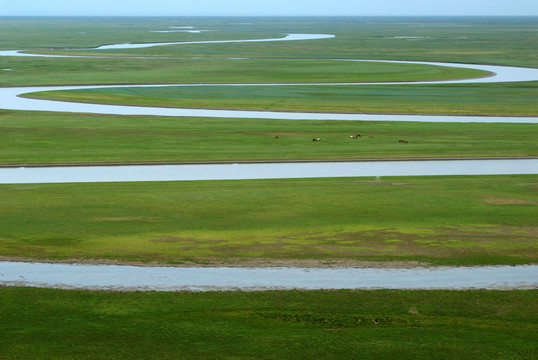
x=465 y=220
x=383 y=324
x=31 y=137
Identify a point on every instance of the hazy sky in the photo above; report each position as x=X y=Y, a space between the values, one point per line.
x=266 y=8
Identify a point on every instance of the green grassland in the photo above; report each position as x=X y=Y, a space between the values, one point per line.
x=60 y=324
x=466 y=220
x=486 y=40
x=508 y=99
x=54 y=138
x=460 y=220
x=75 y=34
x=52 y=71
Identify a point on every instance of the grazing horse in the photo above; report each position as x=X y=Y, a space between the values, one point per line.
x=403 y=141
x=276 y=137
x=316 y=139
x=371 y=136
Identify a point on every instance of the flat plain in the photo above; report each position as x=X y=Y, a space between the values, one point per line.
x=460 y=220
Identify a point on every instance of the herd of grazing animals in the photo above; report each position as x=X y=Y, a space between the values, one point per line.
x=353 y=137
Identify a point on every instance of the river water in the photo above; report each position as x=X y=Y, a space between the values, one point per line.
x=75 y=174
x=289 y=37
x=115 y=277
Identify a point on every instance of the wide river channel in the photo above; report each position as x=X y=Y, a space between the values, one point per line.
x=222 y=278
x=75 y=174
x=114 y=277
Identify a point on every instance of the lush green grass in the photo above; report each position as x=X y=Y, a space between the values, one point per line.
x=59 y=324
x=30 y=137
x=54 y=71
x=470 y=99
x=441 y=220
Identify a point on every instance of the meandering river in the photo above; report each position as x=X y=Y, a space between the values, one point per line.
x=9 y=97
x=171 y=278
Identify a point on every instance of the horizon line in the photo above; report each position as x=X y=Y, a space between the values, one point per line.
x=267 y=16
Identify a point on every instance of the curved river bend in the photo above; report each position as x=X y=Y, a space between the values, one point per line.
x=9 y=97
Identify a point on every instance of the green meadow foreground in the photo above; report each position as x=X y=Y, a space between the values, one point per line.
x=398 y=221
x=445 y=220
x=381 y=324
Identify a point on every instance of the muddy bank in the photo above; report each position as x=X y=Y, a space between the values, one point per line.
x=238 y=263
